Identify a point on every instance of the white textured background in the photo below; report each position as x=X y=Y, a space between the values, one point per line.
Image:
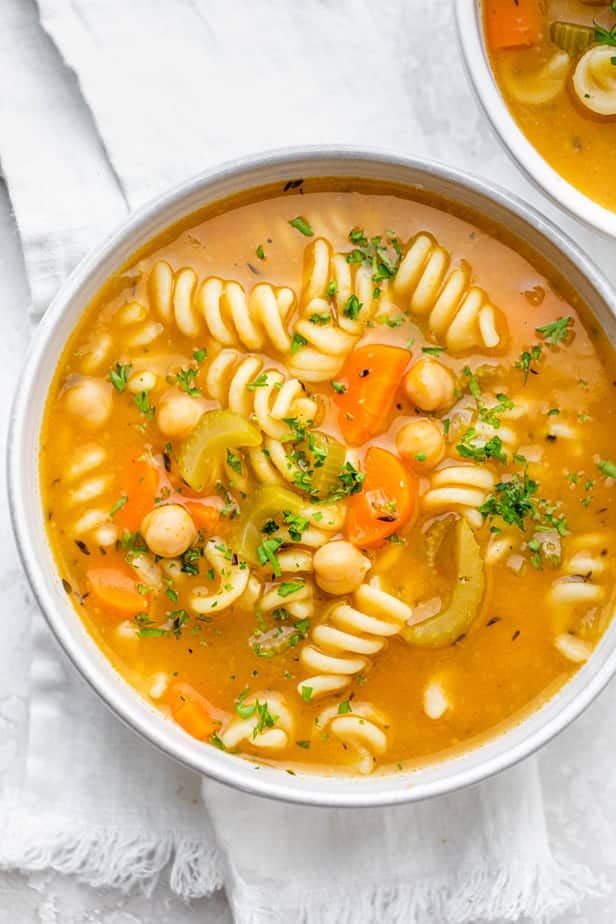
x=433 y=114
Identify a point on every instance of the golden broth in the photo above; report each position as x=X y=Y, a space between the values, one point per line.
x=554 y=418
x=578 y=143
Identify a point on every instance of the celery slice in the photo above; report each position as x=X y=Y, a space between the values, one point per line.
x=268 y=502
x=456 y=618
x=331 y=454
x=202 y=454
x=571 y=37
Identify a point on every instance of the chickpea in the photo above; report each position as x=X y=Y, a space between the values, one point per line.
x=168 y=530
x=421 y=443
x=177 y=414
x=429 y=385
x=339 y=568
x=91 y=400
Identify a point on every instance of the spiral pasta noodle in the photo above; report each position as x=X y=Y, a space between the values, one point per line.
x=584 y=571
x=230 y=574
x=248 y=730
x=462 y=488
x=238 y=382
x=86 y=485
x=594 y=80
x=362 y=730
x=342 y=645
x=458 y=313
x=329 y=282
x=221 y=308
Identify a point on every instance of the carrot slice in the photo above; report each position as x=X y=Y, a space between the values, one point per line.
x=116 y=590
x=139 y=484
x=386 y=502
x=191 y=710
x=371 y=377
x=514 y=22
x=204 y=516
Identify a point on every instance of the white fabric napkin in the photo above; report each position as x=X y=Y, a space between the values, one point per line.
x=163 y=90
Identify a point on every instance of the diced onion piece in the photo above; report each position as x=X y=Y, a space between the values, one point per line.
x=573 y=648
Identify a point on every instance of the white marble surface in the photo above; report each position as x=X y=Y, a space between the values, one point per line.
x=574 y=816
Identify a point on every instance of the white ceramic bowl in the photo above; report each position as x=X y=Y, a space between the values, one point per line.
x=470 y=30
x=28 y=515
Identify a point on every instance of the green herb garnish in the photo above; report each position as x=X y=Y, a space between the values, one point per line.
x=301 y=225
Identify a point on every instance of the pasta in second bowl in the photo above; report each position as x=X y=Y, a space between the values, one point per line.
x=544 y=72
x=304 y=454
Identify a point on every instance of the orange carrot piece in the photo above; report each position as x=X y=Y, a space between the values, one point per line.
x=115 y=589
x=139 y=485
x=386 y=502
x=191 y=710
x=205 y=516
x=514 y=22
x=371 y=376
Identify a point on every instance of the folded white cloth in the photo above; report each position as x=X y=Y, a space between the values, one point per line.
x=165 y=89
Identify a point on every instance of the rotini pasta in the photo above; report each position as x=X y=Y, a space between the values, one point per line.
x=230 y=574
x=343 y=644
x=458 y=313
x=238 y=382
x=462 y=488
x=251 y=730
x=87 y=484
x=362 y=729
x=221 y=308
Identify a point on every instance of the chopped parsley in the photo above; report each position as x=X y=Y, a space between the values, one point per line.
x=260 y=382
x=307 y=693
x=289 y=587
x=267 y=554
x=186 y=380
x=320 y=318
x=190 y=560
x=118 y=376
x=339 y=387
x=607 y=468
x=260 y=252
x=118 y=505
x=234 y=462
x=557 y=331
x=383 y=255
x=349 y=481
x=433 y=351
x=297 y=343
x=300 y=224
x=296 y=524
x=265 y=719
x=200 y=355
x=142 y=400
x=526 y=360
x=352 y=307
x=344 y=707
x=512 y=501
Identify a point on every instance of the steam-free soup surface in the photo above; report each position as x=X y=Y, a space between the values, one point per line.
x=328 y=473
x=555 y=65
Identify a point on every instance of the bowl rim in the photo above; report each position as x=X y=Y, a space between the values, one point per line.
x=468 y=15
x=115 y=692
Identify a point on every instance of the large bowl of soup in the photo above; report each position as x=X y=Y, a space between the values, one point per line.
x=545 y=74
x=312 y=472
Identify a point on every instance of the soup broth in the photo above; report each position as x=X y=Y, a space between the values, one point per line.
x=555 y=66
x=328 y=474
